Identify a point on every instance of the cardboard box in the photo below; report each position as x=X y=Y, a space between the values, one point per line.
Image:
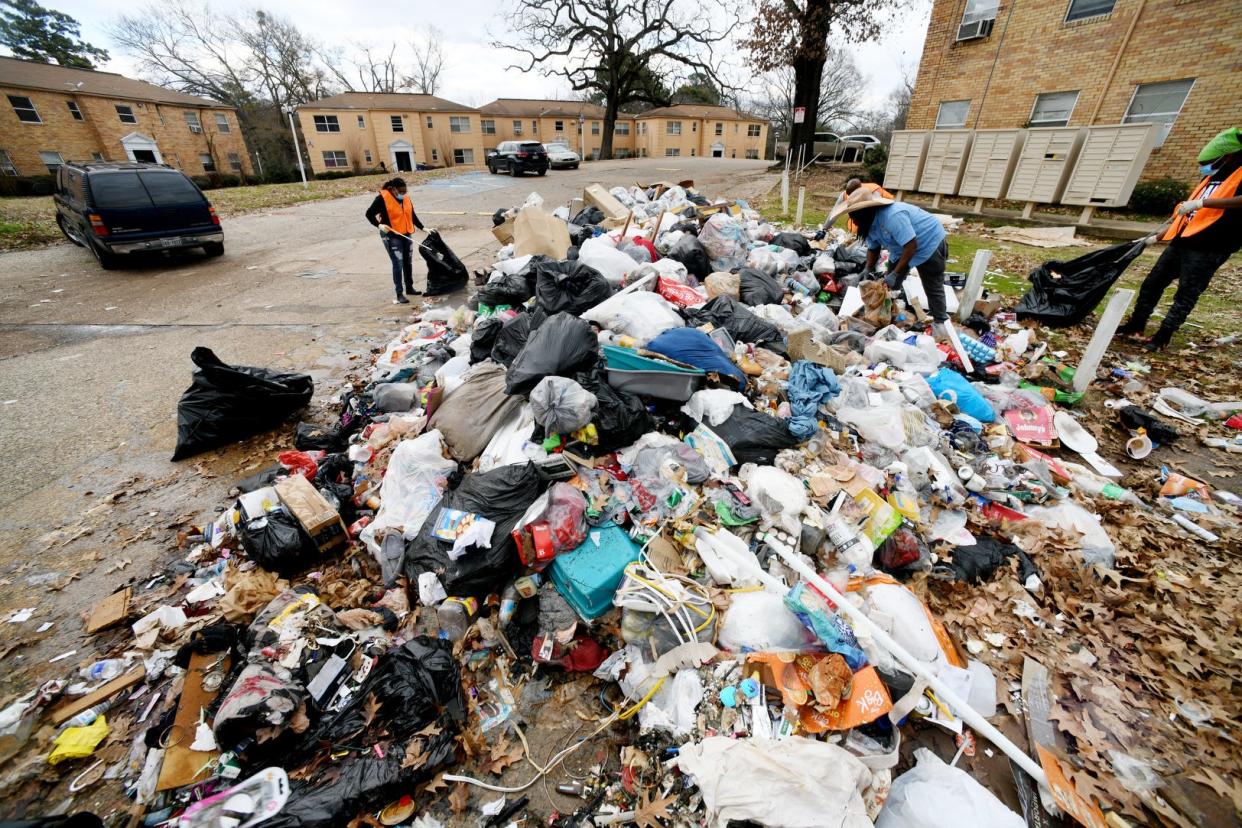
x=614 y=211
x=538 y=232
x=504 y=232
x=316 y=515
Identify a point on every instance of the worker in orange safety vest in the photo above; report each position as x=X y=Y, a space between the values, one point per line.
x=1204 y=232
x=393 y=213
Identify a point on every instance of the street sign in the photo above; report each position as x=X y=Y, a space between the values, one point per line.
x=799 y=114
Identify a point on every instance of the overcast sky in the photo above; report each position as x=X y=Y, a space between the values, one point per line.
x=476 y=73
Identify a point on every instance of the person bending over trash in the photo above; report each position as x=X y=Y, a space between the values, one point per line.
x=912 y=236
x=1204 y=232
x=393 y=213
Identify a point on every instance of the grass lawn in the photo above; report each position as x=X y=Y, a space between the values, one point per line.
x=31 y=221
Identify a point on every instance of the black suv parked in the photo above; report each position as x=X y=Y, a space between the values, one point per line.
x=516 y=157
x=118 y=208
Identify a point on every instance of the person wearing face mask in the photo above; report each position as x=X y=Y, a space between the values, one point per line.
x=1204 y=232
x=393 y=213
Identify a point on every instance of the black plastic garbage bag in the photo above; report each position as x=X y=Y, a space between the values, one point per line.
x=1134 y=418
x=561 y=346
x=730 y=314
x=569 y=286
x=445 y=272
x=850 y=258
x=278 y=543
x=225 y=403
x=758 y=288
x=793 y=241
x=365 y=782
x=414 y=685
x=980 y=561
x=1063 y=293
x=691 y=253
x=483 y=339
x=588 y=215
x=315 y=437
x=510 y=289
x=511 y=339
x=620 y=418
x=501 y=495
x=754 y=437
x=258 y=699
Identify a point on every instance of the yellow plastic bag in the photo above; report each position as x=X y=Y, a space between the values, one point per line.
x=78 y=742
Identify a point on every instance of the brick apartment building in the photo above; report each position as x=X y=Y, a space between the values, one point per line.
x=51 y=114
x=577 y=124
x=362 y=130
x=1005 y=63
x=702 y=130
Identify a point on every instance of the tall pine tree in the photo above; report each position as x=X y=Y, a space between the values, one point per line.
x=33 y=32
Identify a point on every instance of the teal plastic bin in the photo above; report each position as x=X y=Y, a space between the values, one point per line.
x=588 y=576
x=636 y=374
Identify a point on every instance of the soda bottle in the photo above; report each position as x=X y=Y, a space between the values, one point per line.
x=105 y=670
x=454 y=616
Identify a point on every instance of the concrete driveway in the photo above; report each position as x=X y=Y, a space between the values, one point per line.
x=92 y=363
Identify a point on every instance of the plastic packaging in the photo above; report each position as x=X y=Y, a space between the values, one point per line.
x=602 y=255
x=934 y=795
x=455 y=615
x=416 y=478
x=561 y=405
x=104 y=670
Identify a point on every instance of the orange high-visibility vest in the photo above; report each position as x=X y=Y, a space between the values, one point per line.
x=400 y=213
x=1204 y=217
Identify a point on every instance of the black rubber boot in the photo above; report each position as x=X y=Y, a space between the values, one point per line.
x=1160 y=341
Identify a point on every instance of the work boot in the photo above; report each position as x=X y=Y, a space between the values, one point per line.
x=400 y=300
x=410 y=291
x=1159 y=341
x=1132 y=328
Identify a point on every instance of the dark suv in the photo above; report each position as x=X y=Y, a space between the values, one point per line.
x=516 y=157
x=119 y=208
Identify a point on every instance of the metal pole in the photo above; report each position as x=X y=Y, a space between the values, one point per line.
x=258 y=160
x=297 y=148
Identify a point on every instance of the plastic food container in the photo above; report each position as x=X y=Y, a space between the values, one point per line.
x=636 y=374
x=588 y=576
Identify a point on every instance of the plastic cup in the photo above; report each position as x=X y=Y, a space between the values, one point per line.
x=1138 y=446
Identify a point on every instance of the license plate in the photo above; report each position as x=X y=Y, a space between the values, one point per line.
x=173 y=242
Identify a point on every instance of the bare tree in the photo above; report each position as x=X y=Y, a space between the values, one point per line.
x=892 y=115
x=839 y=94
x=795 y=33
x=615 y=47
x=428 y=54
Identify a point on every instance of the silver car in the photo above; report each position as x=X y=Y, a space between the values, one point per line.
x=562 y=157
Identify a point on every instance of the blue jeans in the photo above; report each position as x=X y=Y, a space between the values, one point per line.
x=401 y=251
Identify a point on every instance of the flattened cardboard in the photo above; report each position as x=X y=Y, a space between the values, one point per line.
x=110 y=611
x=504 y=232
x=316 y=515
x=183 y=766
x=538 y=232
x=596 y=195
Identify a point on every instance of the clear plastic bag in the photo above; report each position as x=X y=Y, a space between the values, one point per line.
x=933 y=794
x=561 y=405
x=416 y=477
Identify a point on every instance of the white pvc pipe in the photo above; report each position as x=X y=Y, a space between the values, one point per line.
x=946 y=694
x=1103 y=336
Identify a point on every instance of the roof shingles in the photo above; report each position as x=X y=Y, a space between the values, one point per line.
x=30 y=74
x=388 y=100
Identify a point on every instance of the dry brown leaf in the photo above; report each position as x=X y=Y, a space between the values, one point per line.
x=415 y=755
x=650 y=811
x=437 y=784
x=459 y=799
x=369 y=709
x=503 y=755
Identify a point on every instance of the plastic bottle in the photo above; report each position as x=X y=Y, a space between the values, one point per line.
x=508 y=604
x=454 y=616
x=1103 y=488
x=105 y=670
x=88 y=716
x=851 y=549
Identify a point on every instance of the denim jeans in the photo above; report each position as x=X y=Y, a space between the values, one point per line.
x=401 y=251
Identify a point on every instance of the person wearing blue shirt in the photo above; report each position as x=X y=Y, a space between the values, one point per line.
x=912 y=236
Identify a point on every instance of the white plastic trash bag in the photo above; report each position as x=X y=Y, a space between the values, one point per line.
x=713 y=405
x=561 y=405
x=416 y=478
x=935 y=795
x=641 y=314
x=601 y=254
x=723 y=238
x=508 y=445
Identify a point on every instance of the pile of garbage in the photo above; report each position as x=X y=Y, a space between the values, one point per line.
x=696 y=480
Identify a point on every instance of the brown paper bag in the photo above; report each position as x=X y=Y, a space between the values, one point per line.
x=536 y=231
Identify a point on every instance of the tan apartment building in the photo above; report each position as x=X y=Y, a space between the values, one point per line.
x=700 y=130
x=394 y=130
x=1002 y=63
x=52 y=114
x=578 y=124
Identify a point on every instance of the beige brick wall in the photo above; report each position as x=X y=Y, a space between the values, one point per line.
x=101 y=131
x=1172 y=40
x=545 y=132
x=433 y=146
x=698 y=137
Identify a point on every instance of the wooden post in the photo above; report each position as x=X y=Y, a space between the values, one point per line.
x=785 y=192
x=655 y=231
x=900 y=195
x=974 y=284
x=956 y=342
x=1109 y=320
x=801 y=201
x=978 y=205
x=1027 y=209
x=1087 y=212
x=628 y=218
x=936 y=201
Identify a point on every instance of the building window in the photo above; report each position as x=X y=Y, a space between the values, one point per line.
x=459 y=123
x=694 y=126
x=595 y=127
x=487 y=126
x=517 y=127
x=672 y=152
x=209 y=163
x=126 y=114
x=534 y=127
x=753 y=154
x=234 y=162
x=559 y=126
x=97 y=156
x=1082 y=9
x=192 y=121
x=1053 y=109
x=335 y=159
x=51 y=160
x=362 y=122
x=25 y=109
x=435 y=156
x=395 y=122
x=977 y=19
x=673 y=127
x=719 y=128
x=74 y=111
x=621 y=129
x=326 y=123
x=1158 y=103
x=6 y=163
x=463 y=156
x=428 y=122
x=222 y=123
x=366 y=156
x=752 y=130
x=952 y=114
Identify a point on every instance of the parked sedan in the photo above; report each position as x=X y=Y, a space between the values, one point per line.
x=562 y=157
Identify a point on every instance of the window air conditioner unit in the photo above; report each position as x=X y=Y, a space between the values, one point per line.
x=975 y=29
x=195 y=128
